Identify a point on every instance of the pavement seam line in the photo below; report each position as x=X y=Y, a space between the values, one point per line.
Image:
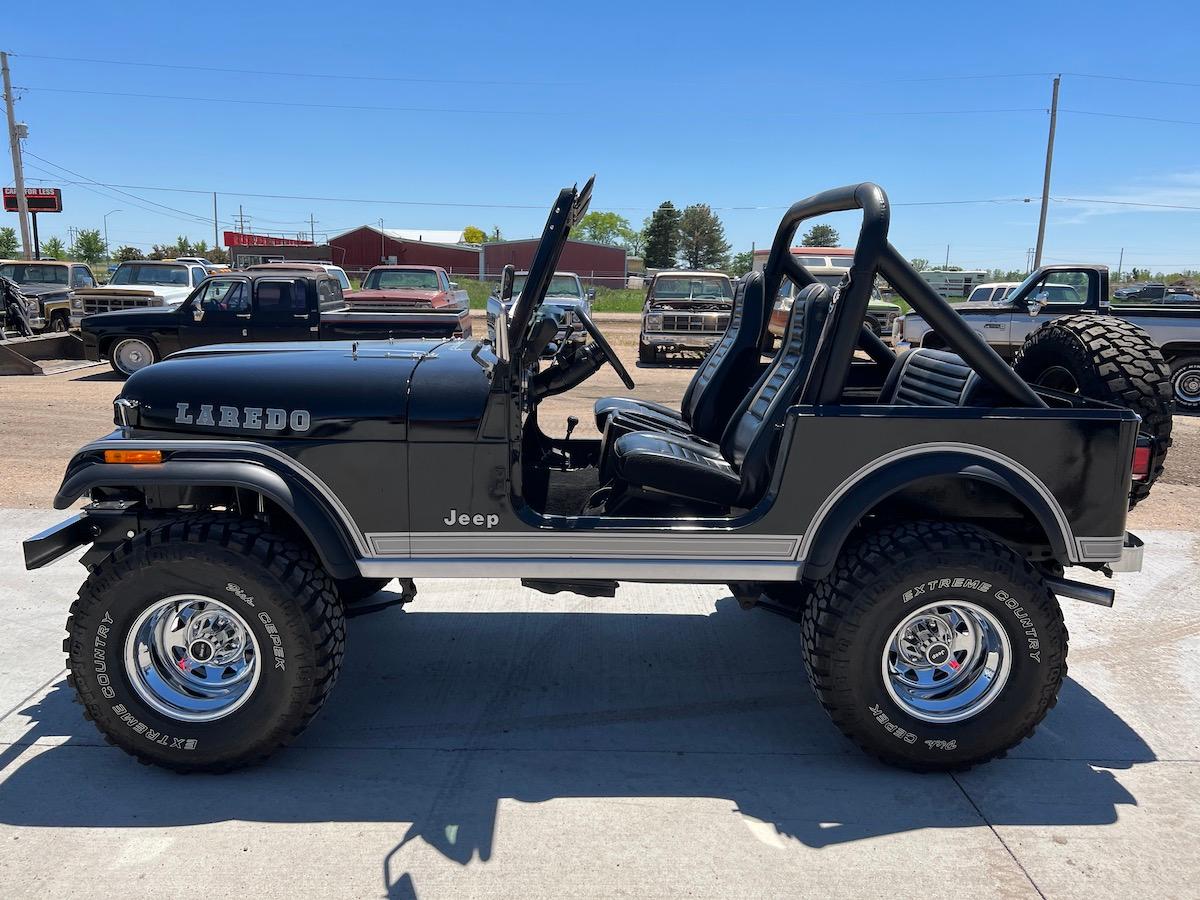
x=41 y=687
x=1003 y=843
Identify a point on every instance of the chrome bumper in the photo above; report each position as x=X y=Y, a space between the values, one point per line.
x=687 y=340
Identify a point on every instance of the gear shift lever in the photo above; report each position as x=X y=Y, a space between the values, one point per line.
x=572 y=422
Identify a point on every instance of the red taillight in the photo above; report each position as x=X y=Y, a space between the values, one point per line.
x=1141 y=463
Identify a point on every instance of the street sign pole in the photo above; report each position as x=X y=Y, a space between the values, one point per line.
x=37 y=247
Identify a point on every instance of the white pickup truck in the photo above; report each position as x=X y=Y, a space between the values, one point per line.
x=142 y=283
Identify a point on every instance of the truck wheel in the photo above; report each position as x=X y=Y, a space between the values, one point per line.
x=130 y=354
x=205 y=645
x=59 y=323
x=1109 y=359
x=1185 y=382
x=934 y=646
x=873 y=324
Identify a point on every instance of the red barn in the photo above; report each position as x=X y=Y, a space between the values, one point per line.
x=361 y=248
x=593 y=263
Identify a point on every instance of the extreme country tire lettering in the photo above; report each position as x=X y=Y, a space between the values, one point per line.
x=287 y=603
x=889 y=578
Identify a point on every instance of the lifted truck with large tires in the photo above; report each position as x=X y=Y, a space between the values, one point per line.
x=916 y=519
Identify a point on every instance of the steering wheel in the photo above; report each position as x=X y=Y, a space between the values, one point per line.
x=613 y=360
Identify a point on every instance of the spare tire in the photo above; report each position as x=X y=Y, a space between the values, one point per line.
x=1111 y=360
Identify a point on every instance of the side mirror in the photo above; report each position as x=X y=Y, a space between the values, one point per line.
x=497 y=324
x=1035 y=304
x=507 y=277
x=198 y=314
x=454 y=285
x=591 y=294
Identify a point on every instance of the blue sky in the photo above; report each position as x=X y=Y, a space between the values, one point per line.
x=746 y=105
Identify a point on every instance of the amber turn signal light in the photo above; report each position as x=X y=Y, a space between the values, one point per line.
x=133 y=456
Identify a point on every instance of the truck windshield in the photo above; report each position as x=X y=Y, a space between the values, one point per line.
x=24 y=273
x=560 y=286
x=392 y=279
x=164 y=275
x=690 y=287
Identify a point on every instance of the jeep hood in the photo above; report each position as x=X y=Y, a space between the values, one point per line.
x=318 y=391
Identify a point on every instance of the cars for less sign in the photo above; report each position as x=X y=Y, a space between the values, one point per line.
x=39 y=200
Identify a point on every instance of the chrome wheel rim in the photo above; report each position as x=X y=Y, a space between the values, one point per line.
x=132 y=355
x=947 y=661
x=1187 y=386
x=192 y=658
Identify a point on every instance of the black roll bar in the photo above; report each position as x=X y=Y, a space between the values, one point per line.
x=953 y=328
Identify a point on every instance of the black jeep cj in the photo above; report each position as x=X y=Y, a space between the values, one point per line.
x=914 y=515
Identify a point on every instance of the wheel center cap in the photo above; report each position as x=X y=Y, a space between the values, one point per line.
x=200 y=651
x=937 y=654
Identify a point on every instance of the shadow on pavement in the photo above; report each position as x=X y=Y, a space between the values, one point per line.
x=439 y=716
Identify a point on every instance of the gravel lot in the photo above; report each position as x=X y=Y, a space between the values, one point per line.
x=43 y=420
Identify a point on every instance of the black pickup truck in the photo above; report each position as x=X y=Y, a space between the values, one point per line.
x=279 y=305
x=916 y=516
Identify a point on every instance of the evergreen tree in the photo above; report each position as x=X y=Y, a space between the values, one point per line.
x=702 y=241
x=821 y=236
x=662 y=236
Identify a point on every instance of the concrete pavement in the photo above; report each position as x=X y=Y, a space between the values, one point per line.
x=492 y=741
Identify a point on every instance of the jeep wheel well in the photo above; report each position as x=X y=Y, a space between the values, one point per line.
x=996 y=508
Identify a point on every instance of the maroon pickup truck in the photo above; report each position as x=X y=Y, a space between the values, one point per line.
x=407 y=288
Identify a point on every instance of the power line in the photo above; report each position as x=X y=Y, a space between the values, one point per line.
x=1124 y=203
x=1127 y=78
x=555 y=113
x=1108 y=115
x=472 y=82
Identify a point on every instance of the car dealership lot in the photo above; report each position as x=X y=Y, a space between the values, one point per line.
x=489 y=740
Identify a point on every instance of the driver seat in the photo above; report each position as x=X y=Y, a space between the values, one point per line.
x=719 y=385
x=735 y=472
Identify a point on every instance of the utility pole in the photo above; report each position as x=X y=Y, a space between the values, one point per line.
x=1121 y=264
x=1041 y=238
x=312 y=228
x=947 y=265
x=216 y=234
x=14 y=143
x=382 y=247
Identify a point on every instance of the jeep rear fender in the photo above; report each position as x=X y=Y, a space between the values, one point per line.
x=855 y=498
x=330 y=537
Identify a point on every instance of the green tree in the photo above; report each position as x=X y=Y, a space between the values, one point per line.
x=54 y=247
x=127 y=253
x=662 y=236
x=89 y=246
x=200 y=249
x=821 y=236
x=473 y=234
x=741 y=263
x=605 y=228
x=635 y=241
x=495 y=235
x=183 y=247
x=919 y=263
x=702 y=241
x=217 y=255
x=9 y=245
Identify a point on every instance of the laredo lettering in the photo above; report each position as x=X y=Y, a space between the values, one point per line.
x=250 y=418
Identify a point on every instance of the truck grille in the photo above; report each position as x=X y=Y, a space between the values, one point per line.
x=708 y=324
x=112 y=304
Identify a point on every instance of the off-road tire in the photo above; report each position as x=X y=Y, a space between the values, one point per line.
x=1184 y=371
x=1111 y=360
x=351 y=590
x=279 y=589
x=647 y=355
x=880 y=580
x=59 y=323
